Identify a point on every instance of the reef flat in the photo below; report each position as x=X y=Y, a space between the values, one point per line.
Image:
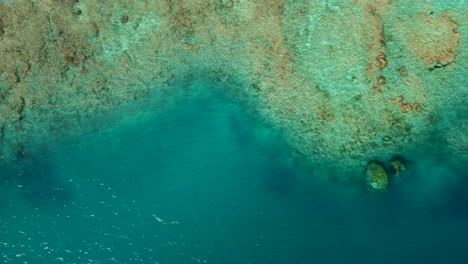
x=348 y=81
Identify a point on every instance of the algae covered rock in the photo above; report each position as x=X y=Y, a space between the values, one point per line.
x=376 y=177
x=397 y=166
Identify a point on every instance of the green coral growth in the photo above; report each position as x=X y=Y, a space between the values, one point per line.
x=376 y=177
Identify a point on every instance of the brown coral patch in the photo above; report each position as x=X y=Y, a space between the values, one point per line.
x=397 y=100
x=381 y=80
x=437 y=43
x=377 y=88
x=406 y=107
x=382 y=61
x=374 y=12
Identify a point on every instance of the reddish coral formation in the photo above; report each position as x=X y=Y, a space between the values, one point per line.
x=268 y=28
x=438 y=43
x=397 y=100
x=382 y=61
x=378 y=87
x=374 y=11
x=381 y=80
x=406 y=107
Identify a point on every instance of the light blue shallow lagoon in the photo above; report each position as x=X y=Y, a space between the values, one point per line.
x=197 y=178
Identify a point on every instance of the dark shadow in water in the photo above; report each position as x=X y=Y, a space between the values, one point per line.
x=432 y=184
x=33 y=174
x=452 y=176
x=249 y=130
x=456 y=202
x=281 y=182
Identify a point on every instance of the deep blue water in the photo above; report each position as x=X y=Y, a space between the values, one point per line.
x=197 y=179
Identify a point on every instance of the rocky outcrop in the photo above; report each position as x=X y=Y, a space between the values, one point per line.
x=376 y=177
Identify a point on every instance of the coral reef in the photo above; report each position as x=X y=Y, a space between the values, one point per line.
x=376 y=176
x=347 y=80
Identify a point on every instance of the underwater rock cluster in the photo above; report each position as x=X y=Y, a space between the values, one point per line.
x=376 y=176
x=348 y=81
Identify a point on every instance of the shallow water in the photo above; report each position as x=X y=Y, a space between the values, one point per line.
x=199 y=180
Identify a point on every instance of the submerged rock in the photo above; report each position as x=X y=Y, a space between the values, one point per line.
x=397 y=166
x=376 y=177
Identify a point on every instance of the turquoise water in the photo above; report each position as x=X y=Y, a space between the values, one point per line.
x=197 y=179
